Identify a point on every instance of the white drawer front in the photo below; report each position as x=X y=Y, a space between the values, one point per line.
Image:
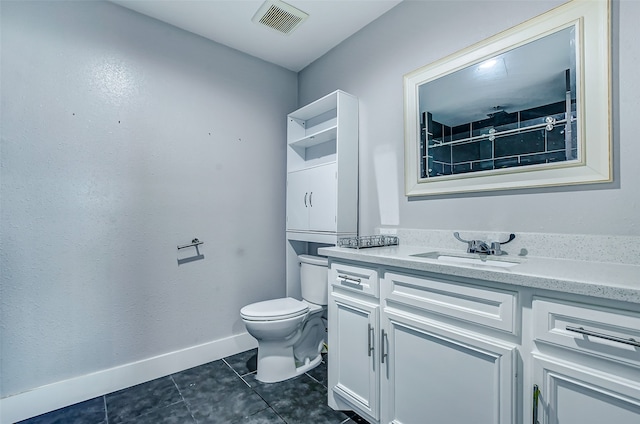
x=488 y=307
x=355 y=278
x=599 y=331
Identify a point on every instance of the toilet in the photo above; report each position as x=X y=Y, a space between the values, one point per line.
x=290 y=332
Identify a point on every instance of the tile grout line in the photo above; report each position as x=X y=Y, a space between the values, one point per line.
x=236 y=373
x=314 y=379
x=183 y=399
x=255 y=391
x=268 y=404
x=106 y=413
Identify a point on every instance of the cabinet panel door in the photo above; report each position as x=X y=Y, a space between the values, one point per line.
x=297 y=201
x=352 y=352
x=436 y=374
x=322 y=198
x=573 y=394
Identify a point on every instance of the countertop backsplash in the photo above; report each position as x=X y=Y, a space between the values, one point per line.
x=579 y=247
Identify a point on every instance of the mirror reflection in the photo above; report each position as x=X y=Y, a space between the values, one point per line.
x=515 y=109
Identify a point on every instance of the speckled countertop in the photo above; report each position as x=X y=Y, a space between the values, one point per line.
x=606 y=280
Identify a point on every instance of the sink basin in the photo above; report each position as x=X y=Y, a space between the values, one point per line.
x=469 y=259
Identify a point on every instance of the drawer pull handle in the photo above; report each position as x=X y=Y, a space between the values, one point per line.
x=630 y=341
x=347 y=278
x=536 y=395
x=382 y=340
x=369 y=332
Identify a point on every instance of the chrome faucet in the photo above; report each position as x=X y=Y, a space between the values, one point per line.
x=479 y=246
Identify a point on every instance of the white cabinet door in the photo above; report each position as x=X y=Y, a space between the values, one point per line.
x=322 y=198
x=570 y=393
x=353 y=327
x=311 y=199
x=297 y=201
x=441 y=375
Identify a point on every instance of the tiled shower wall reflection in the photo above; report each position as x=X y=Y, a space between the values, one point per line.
x=447 y=150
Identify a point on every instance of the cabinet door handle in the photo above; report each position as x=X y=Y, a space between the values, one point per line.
x=305 y=199
x=536 y=395
x=369 y=339
x=347 y=278
x=382 y=340
x=630 y=341
x=310 y=196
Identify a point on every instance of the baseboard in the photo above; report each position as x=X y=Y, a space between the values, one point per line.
x=68 y=392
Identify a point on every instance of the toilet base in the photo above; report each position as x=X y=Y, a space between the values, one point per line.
x=277 y=363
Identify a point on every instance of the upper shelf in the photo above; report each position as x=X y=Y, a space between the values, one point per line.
x=318 y=107
x=316 y=138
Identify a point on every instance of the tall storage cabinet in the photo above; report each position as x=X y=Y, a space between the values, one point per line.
x=322 y=169
x=322 y=177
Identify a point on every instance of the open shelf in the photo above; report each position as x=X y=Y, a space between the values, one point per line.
x=316 y=108
x=316 y=138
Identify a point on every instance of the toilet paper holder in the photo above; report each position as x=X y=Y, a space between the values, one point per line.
x=194 y=242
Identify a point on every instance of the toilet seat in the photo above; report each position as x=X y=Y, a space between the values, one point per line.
x=274 y=310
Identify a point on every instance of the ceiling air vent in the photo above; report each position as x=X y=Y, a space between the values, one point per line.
x=279 y=16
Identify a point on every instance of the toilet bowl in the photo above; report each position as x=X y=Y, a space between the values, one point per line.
x=290 y=332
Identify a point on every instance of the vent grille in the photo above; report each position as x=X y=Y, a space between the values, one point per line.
x=279 y=16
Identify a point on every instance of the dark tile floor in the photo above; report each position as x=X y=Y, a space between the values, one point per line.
x=223 y=391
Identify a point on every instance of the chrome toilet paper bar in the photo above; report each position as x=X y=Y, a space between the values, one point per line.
x=194 y=242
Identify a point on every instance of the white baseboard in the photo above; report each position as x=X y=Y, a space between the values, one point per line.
x=68 y=392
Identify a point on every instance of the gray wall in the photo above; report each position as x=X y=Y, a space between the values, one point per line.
x=371 y=65
x=123 y=137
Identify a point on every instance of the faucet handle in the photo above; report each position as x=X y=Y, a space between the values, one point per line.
x=495 y=246
x=478 y=246
x=511 y=237
x=472 y=245
x=457 y=236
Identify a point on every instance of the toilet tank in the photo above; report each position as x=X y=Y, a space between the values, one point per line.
x=313 y=278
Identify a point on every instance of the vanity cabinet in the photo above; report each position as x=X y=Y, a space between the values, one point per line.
x=435 y=356
x=586 y=364
x=394 y=358
x=353 y=314
x=430 y=370
x=322 y=169
x=418 y=347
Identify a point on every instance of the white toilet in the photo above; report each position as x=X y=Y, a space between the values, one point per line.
x=290 y=332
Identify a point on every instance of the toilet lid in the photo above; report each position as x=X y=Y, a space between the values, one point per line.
x=274 y=309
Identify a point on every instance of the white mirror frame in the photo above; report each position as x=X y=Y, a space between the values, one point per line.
x=592 y=21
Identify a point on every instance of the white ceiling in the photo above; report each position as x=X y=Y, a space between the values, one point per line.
x=229 y=22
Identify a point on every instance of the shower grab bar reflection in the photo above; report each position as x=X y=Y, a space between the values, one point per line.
x=548 y=125
x=194 y=242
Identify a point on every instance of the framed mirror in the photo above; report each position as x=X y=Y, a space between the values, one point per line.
x=529 y=107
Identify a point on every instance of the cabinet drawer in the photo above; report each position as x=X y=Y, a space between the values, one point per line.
x=590 y=329
x=486 y=306
x=355 y=278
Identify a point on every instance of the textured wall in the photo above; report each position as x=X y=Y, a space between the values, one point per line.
x=371 y=64
x=123 y=137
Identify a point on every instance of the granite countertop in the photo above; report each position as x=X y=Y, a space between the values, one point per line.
x=598 y=279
